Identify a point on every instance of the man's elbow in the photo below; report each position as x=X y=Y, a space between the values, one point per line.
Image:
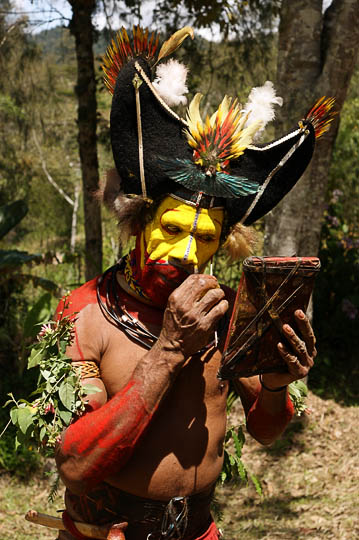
x=72 y=473
x=265 y=439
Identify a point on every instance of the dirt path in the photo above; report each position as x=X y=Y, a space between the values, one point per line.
x=310 y=480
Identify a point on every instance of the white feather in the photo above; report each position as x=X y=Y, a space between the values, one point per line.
x=260 y=106
x=170 y=82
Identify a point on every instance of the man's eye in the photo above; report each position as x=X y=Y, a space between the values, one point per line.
x=206 y=238
x=173 y=229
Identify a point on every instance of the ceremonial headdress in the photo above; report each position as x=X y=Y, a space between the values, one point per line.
x=212 y=162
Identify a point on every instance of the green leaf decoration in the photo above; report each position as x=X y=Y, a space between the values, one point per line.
x=34 y=358
x=59 y=395
x=10 y=215
x=65 y=416
x=238 y=439
x=66 y=394
x=298 y=392
x=14 y=415
x=24 y=419
x=257 y=484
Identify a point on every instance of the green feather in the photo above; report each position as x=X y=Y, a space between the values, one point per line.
x=186 y=173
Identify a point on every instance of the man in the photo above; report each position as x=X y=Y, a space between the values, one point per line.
x=150 y=448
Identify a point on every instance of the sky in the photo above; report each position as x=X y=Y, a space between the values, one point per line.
x=45 y=14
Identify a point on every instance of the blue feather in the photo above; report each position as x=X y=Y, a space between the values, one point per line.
x=189 y=175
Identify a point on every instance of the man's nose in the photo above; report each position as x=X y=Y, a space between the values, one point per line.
x=185 y=251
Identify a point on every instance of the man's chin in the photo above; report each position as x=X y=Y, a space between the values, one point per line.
x=159 y=281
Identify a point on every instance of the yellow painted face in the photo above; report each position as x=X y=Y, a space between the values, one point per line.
x=182 y=234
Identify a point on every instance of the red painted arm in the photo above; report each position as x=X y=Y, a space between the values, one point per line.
x=267 y=413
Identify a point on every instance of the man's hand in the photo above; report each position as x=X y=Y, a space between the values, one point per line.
x=299 y=357
x=191 y=315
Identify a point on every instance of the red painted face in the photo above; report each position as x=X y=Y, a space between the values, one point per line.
x=179 y=241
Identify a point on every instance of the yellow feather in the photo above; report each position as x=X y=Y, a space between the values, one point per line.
x=193 y=115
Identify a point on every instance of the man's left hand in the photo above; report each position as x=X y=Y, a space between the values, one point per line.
x=299 y=357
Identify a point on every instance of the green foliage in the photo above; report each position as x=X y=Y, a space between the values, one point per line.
x=336 y=295
x=233 y=469
x=336 y=307
x=298 y=392
x=10 y=215
x=59 y=394
x=21 y=463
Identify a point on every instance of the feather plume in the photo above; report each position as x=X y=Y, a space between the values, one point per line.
x=260 y=106
x=220 y=137
x=170 y=82
x=321 y=115
x=122 y=49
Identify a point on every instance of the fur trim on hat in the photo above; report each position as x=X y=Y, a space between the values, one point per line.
x=241 y=242
x=132 y=211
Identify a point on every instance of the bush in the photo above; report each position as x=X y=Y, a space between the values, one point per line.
x=336 y=308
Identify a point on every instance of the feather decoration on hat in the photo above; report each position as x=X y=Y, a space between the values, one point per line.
x=321 y=115
x=260 y=106
x=215 y=142
x=121 y=50
x=170 y=82
x=186 y=173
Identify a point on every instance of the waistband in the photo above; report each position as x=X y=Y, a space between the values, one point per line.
x=181 y=518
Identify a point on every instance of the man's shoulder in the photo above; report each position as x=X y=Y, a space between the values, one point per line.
x=75 y=301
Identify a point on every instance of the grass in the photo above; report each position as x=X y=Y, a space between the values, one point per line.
x=309 y=479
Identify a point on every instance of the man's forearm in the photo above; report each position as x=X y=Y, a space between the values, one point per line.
x=269 y=415
x=102 y=441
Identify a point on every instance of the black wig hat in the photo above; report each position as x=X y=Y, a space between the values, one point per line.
x=212 y=163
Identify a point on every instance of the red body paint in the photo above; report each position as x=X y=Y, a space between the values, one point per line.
x=269 y=426
x=71 y=527
x=109 y=434
x=157 y=279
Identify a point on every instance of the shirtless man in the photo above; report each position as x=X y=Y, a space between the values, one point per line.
x=157 y=427
x=150 y=448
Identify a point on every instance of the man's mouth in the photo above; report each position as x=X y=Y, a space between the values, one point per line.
x=170 y=273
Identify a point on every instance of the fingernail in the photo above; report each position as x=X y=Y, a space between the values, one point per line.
x=287 y=328
x=300 y=314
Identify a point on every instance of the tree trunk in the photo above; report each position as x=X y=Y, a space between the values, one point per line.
x=316 y=56
x=82 y=29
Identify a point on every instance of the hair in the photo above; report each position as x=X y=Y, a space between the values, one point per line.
x=133 y=212
x=240 y=242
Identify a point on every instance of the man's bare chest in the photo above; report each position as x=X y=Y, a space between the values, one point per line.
x=196 y=381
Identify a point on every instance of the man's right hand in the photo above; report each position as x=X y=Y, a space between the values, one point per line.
x=192 y=313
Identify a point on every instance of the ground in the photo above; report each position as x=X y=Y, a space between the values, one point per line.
x=309 y=479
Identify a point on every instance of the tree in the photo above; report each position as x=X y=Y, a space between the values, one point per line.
x=317 y=53
x=82 y=29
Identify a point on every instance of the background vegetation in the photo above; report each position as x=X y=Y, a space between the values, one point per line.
x=42 y=236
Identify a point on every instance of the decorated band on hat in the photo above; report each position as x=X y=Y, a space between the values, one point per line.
x=211 y=162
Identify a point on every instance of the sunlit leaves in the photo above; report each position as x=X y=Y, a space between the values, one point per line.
x=59 y=395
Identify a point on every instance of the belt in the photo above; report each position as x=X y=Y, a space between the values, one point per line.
x=181 y=518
